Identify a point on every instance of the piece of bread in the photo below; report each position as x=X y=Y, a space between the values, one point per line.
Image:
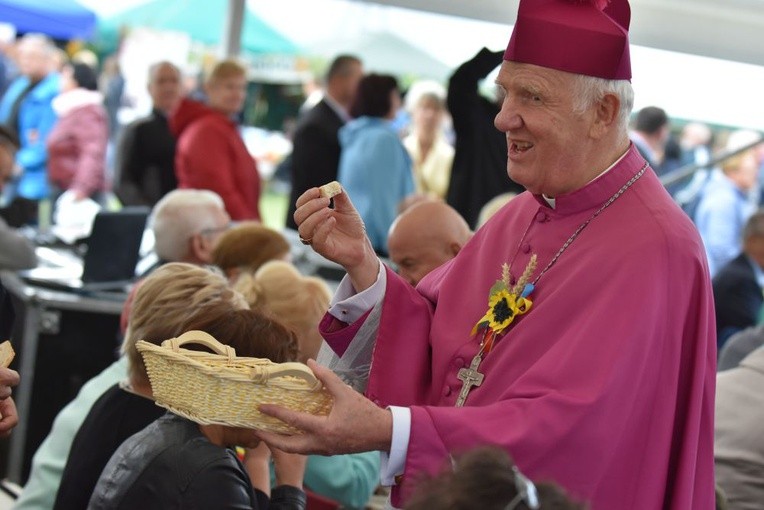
x=6 y=354
x=330 y=189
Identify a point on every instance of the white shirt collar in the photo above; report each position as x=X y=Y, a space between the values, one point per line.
x=338 y=109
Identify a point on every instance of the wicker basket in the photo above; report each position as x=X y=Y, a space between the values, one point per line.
x=223 y=389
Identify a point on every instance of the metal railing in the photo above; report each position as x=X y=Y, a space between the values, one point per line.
x=688 y=170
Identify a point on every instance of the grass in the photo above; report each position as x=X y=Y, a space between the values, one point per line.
x=273 y=208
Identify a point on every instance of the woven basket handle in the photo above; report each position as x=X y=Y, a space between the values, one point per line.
x=201 y=338
x=266 y=373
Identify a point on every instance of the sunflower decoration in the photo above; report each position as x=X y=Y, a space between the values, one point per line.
x=505 y=302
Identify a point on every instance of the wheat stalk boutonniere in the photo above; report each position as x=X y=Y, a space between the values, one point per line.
x=505 y=302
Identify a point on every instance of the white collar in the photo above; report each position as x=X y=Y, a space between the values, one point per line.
x=338 y=109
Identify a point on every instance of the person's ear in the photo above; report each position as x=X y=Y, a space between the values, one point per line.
x=200 y=249
x=605 y=115
x=454 y=248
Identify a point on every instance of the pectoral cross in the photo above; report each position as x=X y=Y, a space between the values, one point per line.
x=469 y=377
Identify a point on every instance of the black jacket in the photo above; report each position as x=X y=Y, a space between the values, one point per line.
x=315 y=154
x=145 y=161
x=115 y=416
x=737 y=296
x=171 y=465
x=479 y=172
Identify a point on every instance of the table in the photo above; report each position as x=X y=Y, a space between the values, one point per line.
x=44 y=313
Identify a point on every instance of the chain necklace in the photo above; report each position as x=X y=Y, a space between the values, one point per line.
x=471 y=377
x=585 y=224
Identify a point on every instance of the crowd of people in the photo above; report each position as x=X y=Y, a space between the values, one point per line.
x=529 y=317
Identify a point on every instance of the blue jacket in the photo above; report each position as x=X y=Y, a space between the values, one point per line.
x=36 y=120
x=720 y=217
x=375 y=170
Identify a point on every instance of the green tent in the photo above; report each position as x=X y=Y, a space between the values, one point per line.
x=202 y=20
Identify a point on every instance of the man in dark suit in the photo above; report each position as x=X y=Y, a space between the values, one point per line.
x=146 y=153
x=738 y=285
x=316 y=148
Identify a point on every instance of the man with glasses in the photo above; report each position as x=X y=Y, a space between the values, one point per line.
x=146 y=152
x=187 y=224
x=16 y=251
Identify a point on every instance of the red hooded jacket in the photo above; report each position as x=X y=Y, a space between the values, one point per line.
x=211 y=155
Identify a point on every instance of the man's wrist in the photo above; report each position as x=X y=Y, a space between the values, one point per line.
x=385 y=438
x=393 y=464
x=290 y=481
x=364 y=276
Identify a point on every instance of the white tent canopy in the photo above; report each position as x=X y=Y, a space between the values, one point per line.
x=724 y=29
x=385 y=52
x=700 y=60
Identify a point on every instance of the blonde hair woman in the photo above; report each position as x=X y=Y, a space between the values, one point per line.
x=299 y=302
x=172 y=299
x=431 y=154
x=170 y=296
x=173 y=293
x=170 y=459
x=726 y=202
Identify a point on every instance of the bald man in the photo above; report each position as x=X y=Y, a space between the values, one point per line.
x=425 y=236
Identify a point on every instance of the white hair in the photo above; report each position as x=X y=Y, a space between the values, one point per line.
x=742 y=138
x=38 y=41
x=7 y=33
x=424 y=88
x=591 y=90
x=156 y=66
x=178 y=216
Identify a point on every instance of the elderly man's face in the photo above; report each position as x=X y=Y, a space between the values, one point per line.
x=203 y=243
x=33 y=60
x=165 y=87
x=428 y=115
x=747 y=173
x=548 y=144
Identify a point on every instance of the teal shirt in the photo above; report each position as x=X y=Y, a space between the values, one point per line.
x=350 y=480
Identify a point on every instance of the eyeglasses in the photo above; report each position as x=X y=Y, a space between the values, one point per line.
x=208 y=231
x=526 y=492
